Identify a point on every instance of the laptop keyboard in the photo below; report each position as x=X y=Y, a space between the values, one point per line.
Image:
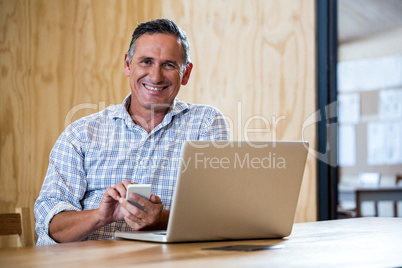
x=160 y=233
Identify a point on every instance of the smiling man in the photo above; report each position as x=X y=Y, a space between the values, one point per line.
x=138 y=141
x=157 y=69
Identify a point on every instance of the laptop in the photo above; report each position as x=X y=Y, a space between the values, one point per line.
x=233 y=190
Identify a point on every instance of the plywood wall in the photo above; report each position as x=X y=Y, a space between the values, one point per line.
x=60 y=60
x=255 y=60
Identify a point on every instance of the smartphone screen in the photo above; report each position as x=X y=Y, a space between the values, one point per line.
x=143 y=190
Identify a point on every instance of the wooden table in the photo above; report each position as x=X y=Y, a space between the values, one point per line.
x=360 y=242
x=361 y=194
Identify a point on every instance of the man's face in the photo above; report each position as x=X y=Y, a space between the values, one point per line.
x=156 y=72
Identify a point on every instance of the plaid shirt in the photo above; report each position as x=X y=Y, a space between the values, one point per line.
x=106 y=148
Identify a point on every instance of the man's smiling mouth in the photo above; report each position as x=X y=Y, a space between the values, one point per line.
x=154 y=88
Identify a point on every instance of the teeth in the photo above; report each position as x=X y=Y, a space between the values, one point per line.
x=154 y=88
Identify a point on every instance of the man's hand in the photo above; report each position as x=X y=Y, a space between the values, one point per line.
x=153 y=217
x=109 y=208
x=70 y=226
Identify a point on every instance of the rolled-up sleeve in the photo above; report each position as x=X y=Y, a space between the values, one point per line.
x=64 y=185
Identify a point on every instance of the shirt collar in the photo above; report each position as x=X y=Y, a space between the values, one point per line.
x=121 y=110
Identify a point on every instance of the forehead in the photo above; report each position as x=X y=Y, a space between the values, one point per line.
x=159 y=46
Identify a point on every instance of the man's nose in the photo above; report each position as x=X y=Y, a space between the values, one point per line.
x=156 y=74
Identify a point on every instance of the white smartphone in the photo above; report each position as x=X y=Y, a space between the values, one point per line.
x=143 y=190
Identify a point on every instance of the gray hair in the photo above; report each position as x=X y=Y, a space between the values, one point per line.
x=163 y=26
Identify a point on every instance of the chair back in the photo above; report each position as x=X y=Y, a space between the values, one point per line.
x=18 y=223
x=369 y=179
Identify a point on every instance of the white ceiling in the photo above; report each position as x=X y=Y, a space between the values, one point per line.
x=358 y=19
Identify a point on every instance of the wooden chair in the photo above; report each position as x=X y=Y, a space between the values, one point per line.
x=365 y=179
x=370 y=179
x=20 y=224
x=398 y=182
x=398 y=179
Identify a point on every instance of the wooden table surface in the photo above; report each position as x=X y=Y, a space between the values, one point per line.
x=361 y=242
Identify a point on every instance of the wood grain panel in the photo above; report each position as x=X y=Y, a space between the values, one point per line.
x=256 y=62
x=60 y=60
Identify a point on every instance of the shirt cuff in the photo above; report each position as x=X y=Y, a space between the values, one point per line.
x=42 y=228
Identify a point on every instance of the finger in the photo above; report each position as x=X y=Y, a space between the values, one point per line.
x=155 y=199
x=130 y=209
x=139 y=202
x=112 y=193
x=127 y=211
x=142 y=201
x=157 y=204
x=126 y=183
x=150 y=216
x=133 y=219
x=134 y=224
x=153 y=209
x=121 y=189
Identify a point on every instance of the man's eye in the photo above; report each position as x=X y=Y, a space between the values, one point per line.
x=146 y=62
x=169 y=66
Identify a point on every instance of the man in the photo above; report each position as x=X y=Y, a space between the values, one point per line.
x=139 y=141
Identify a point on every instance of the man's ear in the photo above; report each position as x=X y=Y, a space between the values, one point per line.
x=187 y=73
x=126 y=65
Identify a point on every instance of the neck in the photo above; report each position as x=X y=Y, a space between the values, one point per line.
x=148 y=120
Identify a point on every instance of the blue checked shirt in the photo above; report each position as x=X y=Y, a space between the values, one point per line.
x=106 y=148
